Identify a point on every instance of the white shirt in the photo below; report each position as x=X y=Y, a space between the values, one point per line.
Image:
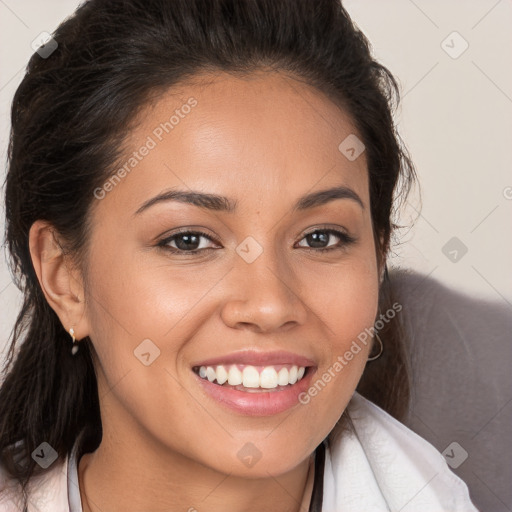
x=380 y=465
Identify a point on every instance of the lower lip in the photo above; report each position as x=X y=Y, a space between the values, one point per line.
x=261 y=403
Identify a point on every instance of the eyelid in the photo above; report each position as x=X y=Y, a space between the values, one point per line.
x=326 y=227
x=346 y=239
x=163 y=242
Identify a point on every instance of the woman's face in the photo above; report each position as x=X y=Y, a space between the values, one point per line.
x=256 y=291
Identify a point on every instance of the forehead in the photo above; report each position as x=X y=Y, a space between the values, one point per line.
x=258 y=137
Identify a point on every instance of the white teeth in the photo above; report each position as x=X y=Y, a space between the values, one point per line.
x=282 y=377
x=269 y=378
x=222 y=374
x=251 y=377
x=234 y=376
x=210 y=374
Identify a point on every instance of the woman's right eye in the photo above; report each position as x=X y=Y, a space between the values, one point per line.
x=186 y=242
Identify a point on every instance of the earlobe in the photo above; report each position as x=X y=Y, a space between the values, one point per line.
x=59 y=281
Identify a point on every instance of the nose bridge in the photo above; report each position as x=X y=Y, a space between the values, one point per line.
x=260 y=264
x=265 y=293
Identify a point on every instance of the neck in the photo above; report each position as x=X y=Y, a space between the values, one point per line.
x=135 y=483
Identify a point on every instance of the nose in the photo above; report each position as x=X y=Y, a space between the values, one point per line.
x=265 y=296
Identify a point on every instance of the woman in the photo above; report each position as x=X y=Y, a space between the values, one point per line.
x=199 y=208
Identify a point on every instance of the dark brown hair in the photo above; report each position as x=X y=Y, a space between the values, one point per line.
x=70 y=115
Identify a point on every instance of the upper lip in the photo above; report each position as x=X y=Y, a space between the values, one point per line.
x=258 y=358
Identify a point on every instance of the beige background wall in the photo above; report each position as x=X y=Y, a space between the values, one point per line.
x=456 y=118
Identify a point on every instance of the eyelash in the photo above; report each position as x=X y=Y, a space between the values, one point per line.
x=346 y=240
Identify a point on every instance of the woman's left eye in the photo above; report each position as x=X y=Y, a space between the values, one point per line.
x=190 y=241
x=322 y=236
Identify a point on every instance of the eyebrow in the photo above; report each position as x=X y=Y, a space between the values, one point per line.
x=224 y=204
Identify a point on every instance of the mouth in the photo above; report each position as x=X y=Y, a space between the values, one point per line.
x=254 y=383
x=253 y=379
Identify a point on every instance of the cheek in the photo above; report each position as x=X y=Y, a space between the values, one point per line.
x=344 y=295
x=132 y=309
x=135 y=300
x=345 y=299
x=353 y=308
x=135 y=308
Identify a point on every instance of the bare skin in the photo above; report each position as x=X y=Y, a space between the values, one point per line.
x=263 y=141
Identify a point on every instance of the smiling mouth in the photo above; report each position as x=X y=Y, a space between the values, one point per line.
x=253 y=379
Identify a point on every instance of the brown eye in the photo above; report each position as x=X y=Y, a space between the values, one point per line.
x=186 y=242
x=320 y=237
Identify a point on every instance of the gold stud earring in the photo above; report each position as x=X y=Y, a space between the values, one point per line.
x=74 y=349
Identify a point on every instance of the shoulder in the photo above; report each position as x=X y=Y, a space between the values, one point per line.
x=400 y=469
x=47 y=491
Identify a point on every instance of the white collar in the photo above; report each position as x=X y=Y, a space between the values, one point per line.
x=381 y=465
x=73 y=488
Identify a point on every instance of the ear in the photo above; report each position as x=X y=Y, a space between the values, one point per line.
x=61 y=283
